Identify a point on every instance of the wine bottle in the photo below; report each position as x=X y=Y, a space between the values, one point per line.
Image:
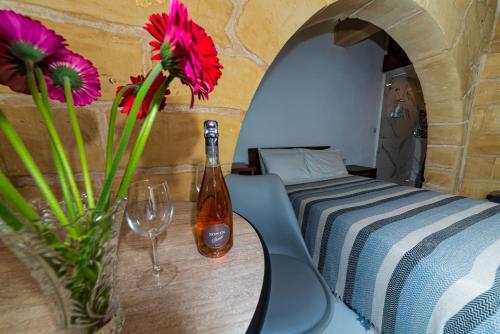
x=214 y=218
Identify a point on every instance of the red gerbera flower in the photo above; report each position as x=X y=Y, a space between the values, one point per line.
x=173 y=38
x=128 y=97
x=207 y=56
x=185 y=50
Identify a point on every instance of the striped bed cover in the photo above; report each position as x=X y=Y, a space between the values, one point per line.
x=406 y=260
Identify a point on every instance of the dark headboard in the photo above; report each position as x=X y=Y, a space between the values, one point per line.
x=253 y=155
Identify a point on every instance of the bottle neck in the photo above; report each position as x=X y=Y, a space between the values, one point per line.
x=212 y=152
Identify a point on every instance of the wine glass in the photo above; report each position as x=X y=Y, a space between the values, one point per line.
x=149 y=212
x=199 y=171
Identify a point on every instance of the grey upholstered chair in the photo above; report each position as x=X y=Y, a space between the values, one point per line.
x=299 y=299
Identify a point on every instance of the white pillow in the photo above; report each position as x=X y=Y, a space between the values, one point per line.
x=325 y=164
x=289 y=166
x=267 y=151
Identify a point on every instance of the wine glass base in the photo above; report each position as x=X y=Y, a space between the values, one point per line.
x=153 y=280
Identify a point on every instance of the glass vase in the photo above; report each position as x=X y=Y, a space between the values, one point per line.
x=74 y=266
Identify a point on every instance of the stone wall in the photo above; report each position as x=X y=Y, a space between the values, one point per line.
x=481 y=172
x=443 y=38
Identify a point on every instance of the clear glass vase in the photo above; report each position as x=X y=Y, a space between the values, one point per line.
x=75 y=266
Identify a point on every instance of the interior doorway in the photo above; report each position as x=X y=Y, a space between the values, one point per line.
x=403 y=129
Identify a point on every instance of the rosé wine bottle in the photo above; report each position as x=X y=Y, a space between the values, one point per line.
x=214 y=218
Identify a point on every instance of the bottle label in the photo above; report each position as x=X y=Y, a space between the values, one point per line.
x=216 y=236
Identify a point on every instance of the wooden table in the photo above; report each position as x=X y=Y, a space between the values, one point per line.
x=206 y=296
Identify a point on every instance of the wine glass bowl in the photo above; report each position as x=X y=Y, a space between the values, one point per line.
x=199 y=172
x=148 y=214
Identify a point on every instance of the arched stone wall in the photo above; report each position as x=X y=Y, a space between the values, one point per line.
x=436 y=37
x=443 y=38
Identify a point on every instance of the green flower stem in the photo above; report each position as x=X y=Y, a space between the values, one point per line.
x=103 y=201
x=68 y=200
x=55 y=139
x=43 y=88
x=79 y=143
x=32 y=168
x=142 y=139
x=10 y=194
x=111 y=127
x=59 y=167
x=10 y=218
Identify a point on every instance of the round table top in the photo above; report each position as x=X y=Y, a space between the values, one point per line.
x=206 y=296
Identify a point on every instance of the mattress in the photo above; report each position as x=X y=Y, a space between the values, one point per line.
x=406 y=260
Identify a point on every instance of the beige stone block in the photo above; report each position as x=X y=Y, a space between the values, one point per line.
x=31 y=192
x=495 y=47
x=444 y=157
x=115 y=57
x=478 y=189
x=474 y=38
x=446 y=134
x=497 y=31
x=384 y=14
x=182 y=186
x=421 y=3
x=491 y=68
x=446 y=111
x=476 y=121
x=462 y=57
x=488 y=93
x=337 y=10
x=235 y=89
x=496 y=169
x=5 y=89
x=30 y=127
x=265 y=26
x=444 y=180
x=492 y=120
x=479 y=168
x=449 y=17
x=461 y=5
x=212 y=15
x=177 y=139
x=408 y=33
x=466 y=54
x=492 y=4
x=486 y=14
x=484 y=144
x=439 y=79
x=474 y=21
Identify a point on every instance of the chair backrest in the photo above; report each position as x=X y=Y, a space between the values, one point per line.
x=263 y=201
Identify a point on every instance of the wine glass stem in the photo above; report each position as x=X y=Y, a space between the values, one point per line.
x=156 y=263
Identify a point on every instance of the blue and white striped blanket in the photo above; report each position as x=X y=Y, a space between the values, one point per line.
x=406 y=260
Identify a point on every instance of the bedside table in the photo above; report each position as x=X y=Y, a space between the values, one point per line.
x=362 y=171
x=242 y=169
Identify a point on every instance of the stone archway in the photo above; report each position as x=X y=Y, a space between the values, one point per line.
x=444 y=39
x=434 y=36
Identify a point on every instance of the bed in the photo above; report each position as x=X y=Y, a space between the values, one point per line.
x=406 y=260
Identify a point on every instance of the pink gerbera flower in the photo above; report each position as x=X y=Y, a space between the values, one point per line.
x=185 y=50
x=173 y=38
x=128 y=97
x=82 y=75
x=24 y=40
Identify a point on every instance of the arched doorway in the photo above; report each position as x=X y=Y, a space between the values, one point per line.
x=427 y=38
